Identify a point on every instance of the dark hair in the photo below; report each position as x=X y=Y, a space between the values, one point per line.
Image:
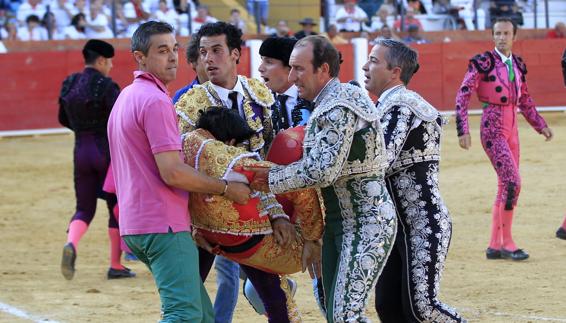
x=323 y=52
x=402 y=56
x=32 y=18
x=224 y=124
x=505 y=19
x=193 y=49
x=234 y=10
x=75 y=20
x=142 y=35
x=233 y=34
x=90 y=56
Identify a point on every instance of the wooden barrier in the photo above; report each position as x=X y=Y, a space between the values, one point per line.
x=31 y=80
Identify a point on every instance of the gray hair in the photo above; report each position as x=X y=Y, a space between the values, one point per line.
x=402 y=56
x=142 y=35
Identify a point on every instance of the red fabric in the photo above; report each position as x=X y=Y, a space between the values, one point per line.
x=554 y=35
x=495 y=242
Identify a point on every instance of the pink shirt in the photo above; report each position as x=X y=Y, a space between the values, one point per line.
x=143 y=123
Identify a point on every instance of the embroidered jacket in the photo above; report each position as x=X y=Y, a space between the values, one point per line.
x=257 y=110
x=488 y=75
x=412 y=129
x=343 y=138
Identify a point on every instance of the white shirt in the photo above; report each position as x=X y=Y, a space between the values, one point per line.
x=292 y=94
x=351 y=23
x=62 y=18
x=100 y=21
x=505 y=58
x=71 y=32
x=170 y=16
x=38 y=33
x=25 y=10
x=223 y=95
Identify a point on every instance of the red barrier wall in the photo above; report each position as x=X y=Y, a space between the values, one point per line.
x=31 y=80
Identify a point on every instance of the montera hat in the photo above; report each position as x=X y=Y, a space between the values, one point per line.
x=278 y=47
x=100 y=47
x=307 y=21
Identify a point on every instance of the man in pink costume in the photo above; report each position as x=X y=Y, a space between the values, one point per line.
x=498 y=76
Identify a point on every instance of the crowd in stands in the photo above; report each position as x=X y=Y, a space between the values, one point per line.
x=81 y=19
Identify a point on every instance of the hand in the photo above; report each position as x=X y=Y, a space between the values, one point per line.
x=261 y=178
x=547 y=133
x=201 y=241
x=465 y=141
x=238 y=192
x=283 y=232
x=311 y=258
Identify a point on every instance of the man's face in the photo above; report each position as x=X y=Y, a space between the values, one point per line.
x=308 y=80
x=378 y=76
x=503 y=36
x=162 y=58
x=220 y=63
x=282 y=27
x=275 y=74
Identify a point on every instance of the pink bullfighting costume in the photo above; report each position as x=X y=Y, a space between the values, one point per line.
x=502 y=88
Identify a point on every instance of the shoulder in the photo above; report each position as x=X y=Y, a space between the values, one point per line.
x=258 y=91
x=411 y=100
x=350 y=97
x=520 y=63
x=484 y=62
x=192 y=102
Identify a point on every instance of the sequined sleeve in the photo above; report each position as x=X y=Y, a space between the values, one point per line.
x=396 y=124
x=529 y=111
x=307 y=212
x=268 y=203
x=328 y=138
x=469 y=85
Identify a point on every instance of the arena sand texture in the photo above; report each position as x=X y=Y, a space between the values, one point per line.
x=37 y=200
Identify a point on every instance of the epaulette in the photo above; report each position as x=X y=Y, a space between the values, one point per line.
x=258 y=91
x=191 y=103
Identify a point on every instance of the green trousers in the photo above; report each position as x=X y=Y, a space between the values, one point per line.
x=358 y=236
x=172 y=259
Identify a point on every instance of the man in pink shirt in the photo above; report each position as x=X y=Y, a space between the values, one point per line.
x=152 y=180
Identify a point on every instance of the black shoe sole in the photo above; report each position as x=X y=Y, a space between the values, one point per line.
x=561 y=234
x=68 y=262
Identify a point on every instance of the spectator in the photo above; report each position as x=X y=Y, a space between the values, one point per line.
x=559 y=31
x=32 y=30
x=414 y=36
x=236 y=20
x=385 y=33
x=28 y=8
x=49 y=22
x=9 y=30
x=259 y=9
x=465 y=11
x=63 y=12
x=391 y=6
x=505 y=8
x=97 y=23
x=379 y=19
x=167 y=14
x=202 y=17
x=182 y=7
x=282 y=29
x=409 y=20
x=80 y=7
x=333 y=35
x=136 y=13
x=350 y=17
x=417 y=6
x=77 y=28
x=308 y=25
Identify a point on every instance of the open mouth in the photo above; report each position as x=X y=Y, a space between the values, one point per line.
x=211 y=69
x=265 y=79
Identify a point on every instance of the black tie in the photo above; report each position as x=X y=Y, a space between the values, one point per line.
x=233 y=96
x=282 y=98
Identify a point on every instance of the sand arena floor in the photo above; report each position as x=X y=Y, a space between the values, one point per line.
x=37 y=200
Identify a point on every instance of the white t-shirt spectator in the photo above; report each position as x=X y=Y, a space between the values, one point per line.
x=99 y=21
x=130 y=12
x=196 y=23
x=63 y=15
x=70 y=32
x=37 y=33
x=171 y=17
x=352 y=22
x=26 y=10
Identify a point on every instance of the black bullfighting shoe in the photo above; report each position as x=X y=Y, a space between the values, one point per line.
x=561 y=233
x=491 y=253
x=68 y=261
x=516 y=255
x=120 y=273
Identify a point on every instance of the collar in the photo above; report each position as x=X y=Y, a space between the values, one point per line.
x=503 y=57
x=150 y=77
x=322 y=90
x=223 y=93
x=292 y=92
x=385 y=93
